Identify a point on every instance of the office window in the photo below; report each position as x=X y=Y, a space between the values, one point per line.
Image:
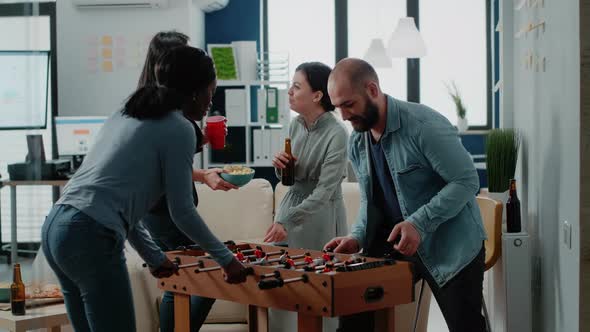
x=455 y=36
x=377 y=19
x=24 y=33
x=304 y=29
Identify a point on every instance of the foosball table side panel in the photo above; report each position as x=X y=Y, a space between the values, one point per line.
x=373 y=289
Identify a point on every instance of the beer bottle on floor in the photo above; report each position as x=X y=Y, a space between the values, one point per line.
x=288 y=173
x=513 y=210
x=17 y=292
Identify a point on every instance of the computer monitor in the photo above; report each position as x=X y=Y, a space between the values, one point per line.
x=23 y=89
x=76 y=134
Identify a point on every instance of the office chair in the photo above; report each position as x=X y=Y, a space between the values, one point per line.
x=491 y=213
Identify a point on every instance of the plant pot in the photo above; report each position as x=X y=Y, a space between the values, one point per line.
x=462 y=125
x=502 y=198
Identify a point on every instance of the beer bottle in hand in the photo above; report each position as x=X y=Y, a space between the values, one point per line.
x=513 y=210
x=17 y=292
x=288 y=173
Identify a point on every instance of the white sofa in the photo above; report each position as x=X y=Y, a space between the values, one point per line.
x=245 y=214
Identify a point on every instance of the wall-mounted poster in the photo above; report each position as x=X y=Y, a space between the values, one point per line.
x=225 y=60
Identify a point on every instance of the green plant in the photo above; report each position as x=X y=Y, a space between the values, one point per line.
x=501 y=155
x=225 y=62
x=456 y=97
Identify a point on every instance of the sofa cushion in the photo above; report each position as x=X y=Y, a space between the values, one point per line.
x=236 y=215
x=224 y=328
x=228 y=312
x=245 y=213
x=352 y=201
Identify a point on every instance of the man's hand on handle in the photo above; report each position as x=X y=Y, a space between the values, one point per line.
x=410 y=238
x=343 y=245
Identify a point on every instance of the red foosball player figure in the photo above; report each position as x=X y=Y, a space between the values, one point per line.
x=258 y=253
x=307 y=258
x=239 y=256
x=326 y=256
x=283 y=257
x=329 y=267
x=289 y=262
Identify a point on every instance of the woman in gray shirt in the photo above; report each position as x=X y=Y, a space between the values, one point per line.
x=141 y=152
x=313 y=210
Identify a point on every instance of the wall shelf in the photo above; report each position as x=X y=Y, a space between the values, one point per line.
x=260 y=139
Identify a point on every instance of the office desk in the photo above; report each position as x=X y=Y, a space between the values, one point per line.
x=13 y=185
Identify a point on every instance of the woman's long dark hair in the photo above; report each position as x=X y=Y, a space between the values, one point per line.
x=317 y=75
x=160 y=43
x=181 y=73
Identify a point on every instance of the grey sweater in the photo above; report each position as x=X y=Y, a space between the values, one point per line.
x=132 y=163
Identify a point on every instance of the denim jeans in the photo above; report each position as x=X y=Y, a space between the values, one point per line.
x=168 y=237
x=89 y=262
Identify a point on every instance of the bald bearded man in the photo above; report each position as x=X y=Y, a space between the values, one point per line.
x=418 y=183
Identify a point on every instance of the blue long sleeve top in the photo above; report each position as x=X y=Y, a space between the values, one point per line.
x=132 y=163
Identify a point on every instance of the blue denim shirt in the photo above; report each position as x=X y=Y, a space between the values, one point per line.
x=436 y=183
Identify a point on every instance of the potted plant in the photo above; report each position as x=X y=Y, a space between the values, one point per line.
x=501 y=156
x=462 y=124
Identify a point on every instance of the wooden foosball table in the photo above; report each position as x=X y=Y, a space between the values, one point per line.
x=312 y=283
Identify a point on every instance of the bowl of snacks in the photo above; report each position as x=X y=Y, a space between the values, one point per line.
x=237 y=175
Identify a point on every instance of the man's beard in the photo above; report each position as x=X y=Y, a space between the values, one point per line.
x=368 y=119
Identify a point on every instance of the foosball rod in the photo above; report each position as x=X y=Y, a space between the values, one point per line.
x=280 y=266
x=249 y=270
x=275 y=274
x=199 y=263
x=273 y=253
x=274 y=260
x=320 y=267
x=278 y=282
x=207 y=269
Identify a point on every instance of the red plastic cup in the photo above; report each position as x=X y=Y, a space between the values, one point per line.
x=216 y=131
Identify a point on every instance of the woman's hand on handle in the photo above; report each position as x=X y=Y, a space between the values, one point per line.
x=234 y=272
x=165 y=270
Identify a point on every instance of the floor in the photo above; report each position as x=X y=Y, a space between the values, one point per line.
x=436 y=322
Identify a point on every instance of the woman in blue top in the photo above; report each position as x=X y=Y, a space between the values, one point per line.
x=142 y=152
x=158 y=222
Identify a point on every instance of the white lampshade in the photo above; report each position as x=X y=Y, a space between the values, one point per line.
x=406 y=41
x=376 y=54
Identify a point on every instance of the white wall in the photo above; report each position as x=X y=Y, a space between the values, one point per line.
x=546 y=108
x=84 y=87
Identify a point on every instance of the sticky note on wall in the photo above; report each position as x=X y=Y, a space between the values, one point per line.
x=107 y=53
x=107 y=66
x=107 y=41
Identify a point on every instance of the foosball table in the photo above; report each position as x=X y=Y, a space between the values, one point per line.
x=314 y=284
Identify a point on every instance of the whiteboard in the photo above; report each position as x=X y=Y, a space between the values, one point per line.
x=23 y=89
x=101 y=51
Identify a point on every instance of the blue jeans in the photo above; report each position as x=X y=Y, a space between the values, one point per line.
x=89 y=262
x=168 y=237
